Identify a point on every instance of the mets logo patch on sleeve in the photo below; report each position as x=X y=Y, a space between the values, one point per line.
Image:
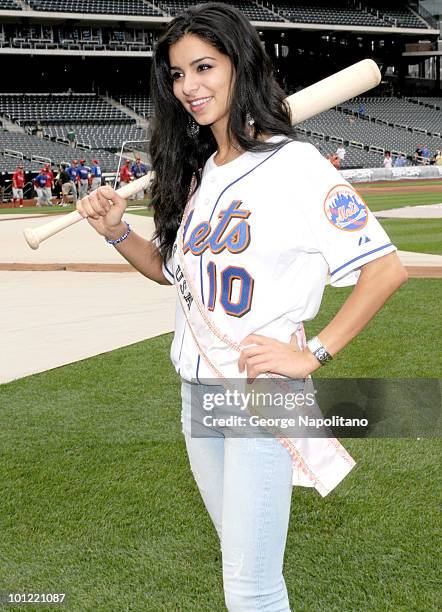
x=345 y=209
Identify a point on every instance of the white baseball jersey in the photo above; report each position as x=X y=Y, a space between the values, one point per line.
x=265 y=232
x=341 y=152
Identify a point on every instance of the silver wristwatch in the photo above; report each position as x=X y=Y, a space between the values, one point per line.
x=319 y=351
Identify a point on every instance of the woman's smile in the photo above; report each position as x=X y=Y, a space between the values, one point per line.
x=198 y=104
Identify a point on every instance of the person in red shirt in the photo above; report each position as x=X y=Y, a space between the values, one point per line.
x=47 y=189
x=335 y=161
x=18 y=182
x=125 y=173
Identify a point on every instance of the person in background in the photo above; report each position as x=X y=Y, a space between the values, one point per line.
x=417 y=157
x=138 y=170
x=361 y=110
x=425 y=155
x=47 y=189
x=39 y=186
x=39 y=130
x=400 y=161
x=335 y=161
x=438 y=158
x=64 y=180
x=388 y=162
x=72 y=170
x=96 y=174
x=2 y=186
x=125 y=173
x=18 y=182
x=83 y=177
x=72 y=138
x=341 y=152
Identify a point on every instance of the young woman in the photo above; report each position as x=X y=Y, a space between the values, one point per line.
x=249 y=222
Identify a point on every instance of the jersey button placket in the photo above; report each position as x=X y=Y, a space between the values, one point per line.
x=212 y=179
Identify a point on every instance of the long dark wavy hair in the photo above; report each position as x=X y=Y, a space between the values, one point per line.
x=176 y=156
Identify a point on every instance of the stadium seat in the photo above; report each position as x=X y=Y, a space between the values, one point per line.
x=60 y=108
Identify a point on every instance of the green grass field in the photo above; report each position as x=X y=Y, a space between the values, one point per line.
x=98 y=500
x=36 y=210
x=418 y=235
x=384 y=201
x=53 y=210
x=378 y=201
x=144 y=212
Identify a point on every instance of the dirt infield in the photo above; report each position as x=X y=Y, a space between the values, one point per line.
x=424 y=272
x=400 y=187
x=66 y=267
x=402 y=182
x=413 y=271
x=29 y=202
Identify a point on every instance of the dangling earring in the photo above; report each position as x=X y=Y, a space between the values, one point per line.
x=249 y=119
x=192 y=129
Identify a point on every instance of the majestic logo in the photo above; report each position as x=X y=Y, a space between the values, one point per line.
x=345 y=209
x=363 y=240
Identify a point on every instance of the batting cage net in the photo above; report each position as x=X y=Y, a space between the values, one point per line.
x=134 y=151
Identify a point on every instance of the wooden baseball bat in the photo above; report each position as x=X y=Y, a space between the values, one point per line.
x=323 y=95
x=335 y=89
x=35 y=236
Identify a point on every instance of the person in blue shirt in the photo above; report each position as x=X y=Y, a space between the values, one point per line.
x=83 y=174
x=72 y=170
x=400 y=161
x=138 y=170
x=96 y=174
x=39 y=186
x=425 y=155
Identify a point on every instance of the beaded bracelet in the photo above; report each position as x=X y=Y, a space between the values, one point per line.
x=121 y=238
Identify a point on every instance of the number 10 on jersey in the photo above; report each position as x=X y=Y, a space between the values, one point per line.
x=235 y=291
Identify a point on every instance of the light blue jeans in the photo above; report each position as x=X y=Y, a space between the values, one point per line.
x=246 y=486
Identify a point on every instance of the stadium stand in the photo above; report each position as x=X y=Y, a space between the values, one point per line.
x=115 y=7
x=9 y=5
x=138 y=102
x=34 y=151
x=130 y=39
x=431 y=102
x=37 y=36
x=339 y=13
x=85 y=38
x=401 y=17
x=79 y=38
x=373 y=136
x=355 y=157
x=346 y=13
x=400 y=113
x=256 y=13
x=28 y=109
x=251 y=10
x=97 y=137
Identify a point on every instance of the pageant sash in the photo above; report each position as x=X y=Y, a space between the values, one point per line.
x=317 y=462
